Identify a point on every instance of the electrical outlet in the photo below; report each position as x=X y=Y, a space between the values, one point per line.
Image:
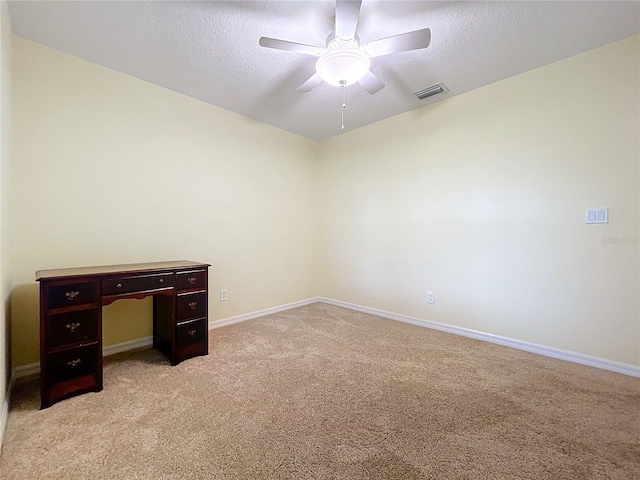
x=430 y=298
x=598 y=215
x=223 y=295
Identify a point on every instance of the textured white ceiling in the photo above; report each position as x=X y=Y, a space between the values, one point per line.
x=209 y=50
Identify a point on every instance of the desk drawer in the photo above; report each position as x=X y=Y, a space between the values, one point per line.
x=191 y=280
x=138 y=283
x=72 y=294
x=72 y=363
x=191 y=305
x=72 y=327
x=192 y=339
x=193 y=331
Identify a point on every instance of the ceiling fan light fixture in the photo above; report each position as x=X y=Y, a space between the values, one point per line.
x=342 y=66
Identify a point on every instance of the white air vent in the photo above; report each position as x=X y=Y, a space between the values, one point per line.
x=436 y=89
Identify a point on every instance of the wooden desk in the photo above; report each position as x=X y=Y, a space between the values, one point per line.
x=71 y=301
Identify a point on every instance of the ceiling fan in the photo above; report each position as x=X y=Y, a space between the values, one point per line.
x=344 y=60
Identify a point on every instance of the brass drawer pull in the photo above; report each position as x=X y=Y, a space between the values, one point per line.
x=192 y=333
x=71 y=295
x=193 y=305
x=74 y=363
x=73 y=326
x=191 y=280
x=119 y=285
x=161 y=280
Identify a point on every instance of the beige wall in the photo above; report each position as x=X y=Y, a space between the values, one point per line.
x=481 y=199
x=112 y=169
x=5 y=244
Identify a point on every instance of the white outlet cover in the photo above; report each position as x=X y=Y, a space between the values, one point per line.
x=430 y=297
x=597 y=215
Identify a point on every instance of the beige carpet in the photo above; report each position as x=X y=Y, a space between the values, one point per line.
x=326 y=393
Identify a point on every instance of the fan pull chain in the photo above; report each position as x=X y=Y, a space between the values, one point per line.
x=344 y=101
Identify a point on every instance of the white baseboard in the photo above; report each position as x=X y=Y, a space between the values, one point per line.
x=597 y=362
x=4 y=416
x=26 y=370
x=260 y=313
x=143 y=342
x=602 y=363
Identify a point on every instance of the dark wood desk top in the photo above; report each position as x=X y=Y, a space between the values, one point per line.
x=117 y=269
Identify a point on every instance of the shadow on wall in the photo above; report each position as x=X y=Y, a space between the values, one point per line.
x=25 y=324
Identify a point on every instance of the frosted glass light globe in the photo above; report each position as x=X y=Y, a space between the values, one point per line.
x=343 y=66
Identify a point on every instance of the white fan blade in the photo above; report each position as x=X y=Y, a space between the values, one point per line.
x=399 y=43
x=371 y=83
x=347 y=12
x=289 y=46
x=314 y=81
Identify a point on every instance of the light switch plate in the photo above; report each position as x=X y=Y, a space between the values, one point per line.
x=597 y=215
